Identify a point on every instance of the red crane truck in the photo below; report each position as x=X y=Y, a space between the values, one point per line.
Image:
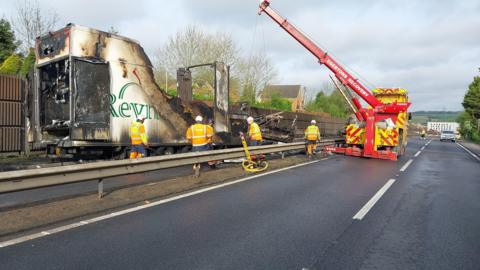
x=381 y=131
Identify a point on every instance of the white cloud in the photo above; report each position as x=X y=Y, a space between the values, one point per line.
x=429 y=47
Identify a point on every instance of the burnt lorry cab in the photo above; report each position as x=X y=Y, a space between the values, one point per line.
x=90 y=85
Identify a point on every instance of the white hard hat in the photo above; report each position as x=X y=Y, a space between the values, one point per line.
x=250 y=120
x=313 y=122
x=198 y=118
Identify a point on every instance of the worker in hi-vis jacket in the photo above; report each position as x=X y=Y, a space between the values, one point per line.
x=200 y=135
x=138 y=137
x=312 y=136
x=254 y=133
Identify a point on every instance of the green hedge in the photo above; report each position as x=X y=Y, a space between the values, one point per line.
x=11 y=65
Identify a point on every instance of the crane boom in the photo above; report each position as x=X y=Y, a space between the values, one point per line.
x=322 y=56
x=340 y=73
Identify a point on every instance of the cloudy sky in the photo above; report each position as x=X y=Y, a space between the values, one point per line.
x=430 y=47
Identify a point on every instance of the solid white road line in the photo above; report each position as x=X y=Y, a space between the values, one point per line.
x=418 y=153
x=404 y=167
x=361 y=214
x=140 y=207
x=468 y=151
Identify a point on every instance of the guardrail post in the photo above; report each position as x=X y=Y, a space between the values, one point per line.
x=196 y=169
x=100 y=188
x=283 y=154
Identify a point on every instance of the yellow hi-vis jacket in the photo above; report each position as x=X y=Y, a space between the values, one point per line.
x=137 y=133
x=254 y=132
x=199 y=134
x=312 y=133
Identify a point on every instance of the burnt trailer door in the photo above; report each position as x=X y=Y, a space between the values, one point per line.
x=54 y=100
x=222 y=76
x=91 y=100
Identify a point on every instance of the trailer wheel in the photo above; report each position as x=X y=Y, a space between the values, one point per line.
x=169 y=151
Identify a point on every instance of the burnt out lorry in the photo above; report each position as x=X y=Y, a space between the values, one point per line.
x=89 y=86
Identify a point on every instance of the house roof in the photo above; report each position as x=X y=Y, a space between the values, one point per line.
x=284 y=91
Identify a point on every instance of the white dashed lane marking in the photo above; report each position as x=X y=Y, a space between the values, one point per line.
x=362 y=212
x=404 y=167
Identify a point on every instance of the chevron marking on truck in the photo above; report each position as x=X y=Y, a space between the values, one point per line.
x=354 y=135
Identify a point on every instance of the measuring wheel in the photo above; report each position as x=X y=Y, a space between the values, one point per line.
x=251 y=165
x=254 y=166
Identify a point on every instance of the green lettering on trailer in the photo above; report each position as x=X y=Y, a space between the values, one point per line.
x=113 y=98
x=136 y=111
x=124 y=87
x=124 y=106
x=124 y=109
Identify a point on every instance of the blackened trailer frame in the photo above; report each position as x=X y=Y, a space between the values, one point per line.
x=221 y=119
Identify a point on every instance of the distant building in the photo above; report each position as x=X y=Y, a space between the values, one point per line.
x=441 y=126
x=294 y=93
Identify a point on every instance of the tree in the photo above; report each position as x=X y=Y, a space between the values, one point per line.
x=28 y=63
x=11 y=65
x=189 y=47
x=254 y=73
x=8 y=45
x=470 y=119
x=280 y=103
x=468 y=126
x=193 y=46
x=334 y=104
x=31 y=21
x=339 y=107
x=471 y=100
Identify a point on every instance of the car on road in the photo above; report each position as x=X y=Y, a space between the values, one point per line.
x=447 y=135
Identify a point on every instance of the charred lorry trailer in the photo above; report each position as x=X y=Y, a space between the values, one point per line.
x=286 y=127
x=90 y=85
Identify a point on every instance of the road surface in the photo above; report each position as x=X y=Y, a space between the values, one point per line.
x=421 y=212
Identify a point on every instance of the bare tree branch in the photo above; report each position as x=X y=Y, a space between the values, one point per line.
x=255 y=73
x=193 y=46
x=32 y=21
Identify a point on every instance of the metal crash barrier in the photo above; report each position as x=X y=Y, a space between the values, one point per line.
x=13 y=181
